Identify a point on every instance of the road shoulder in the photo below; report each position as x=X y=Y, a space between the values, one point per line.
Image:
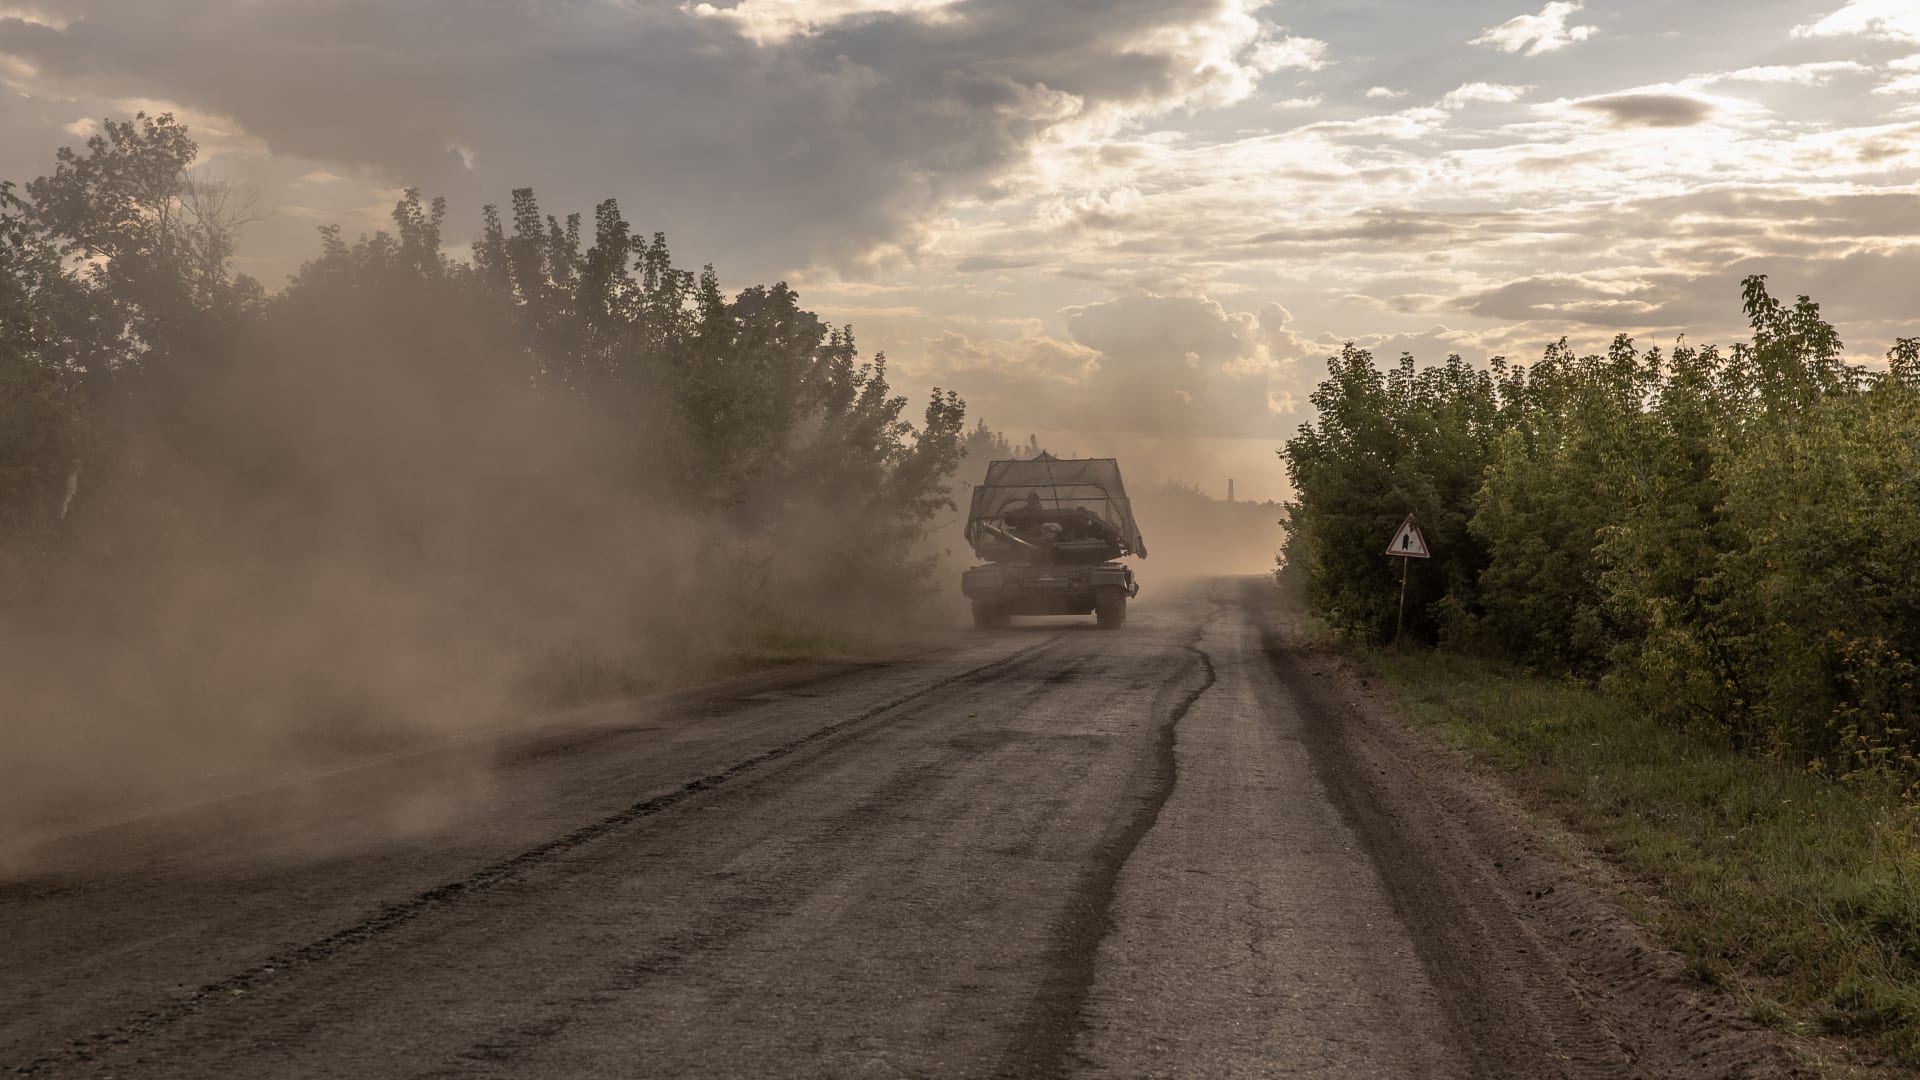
x=1472 y=870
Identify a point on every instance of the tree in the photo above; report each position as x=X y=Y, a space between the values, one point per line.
x=42 y=413
x=1567 y=466
x=1388 y=443
x=154 y=243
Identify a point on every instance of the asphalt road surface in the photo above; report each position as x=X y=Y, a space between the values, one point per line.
x=1047 y=851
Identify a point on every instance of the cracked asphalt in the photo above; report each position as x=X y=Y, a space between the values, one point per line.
x=1045 y=851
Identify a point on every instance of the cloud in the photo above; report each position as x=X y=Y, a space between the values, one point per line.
x=1307 y=54
x=1167 y=366
x=795 y=133
x=1889 y=20
x=770 y=21
x=1384 y=92
x=1540 y=33
x=1569 y=299
x=1036 y=357
x=1906 y=83
x=33 y=16
x=1093 y=212
x=1649 y=110
x=1495 y=93
x=974 y=264
x=1228 y=364
x=1436 y=343
x=1819 y=73
x=1379 y=226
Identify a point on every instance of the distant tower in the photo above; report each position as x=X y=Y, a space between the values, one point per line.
x=1229 y=489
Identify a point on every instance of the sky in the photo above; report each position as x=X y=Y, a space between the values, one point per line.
x=1132 y=227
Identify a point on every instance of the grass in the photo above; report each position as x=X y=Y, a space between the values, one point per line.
x=1800 y=894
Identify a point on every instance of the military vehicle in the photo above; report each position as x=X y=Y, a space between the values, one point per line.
x=1049 y=531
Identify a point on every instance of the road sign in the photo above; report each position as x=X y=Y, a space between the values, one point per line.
x=1408 y=543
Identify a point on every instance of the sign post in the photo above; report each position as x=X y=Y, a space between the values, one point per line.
x=1407 y=545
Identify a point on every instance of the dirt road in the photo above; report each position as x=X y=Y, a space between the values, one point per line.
x=1174 y=850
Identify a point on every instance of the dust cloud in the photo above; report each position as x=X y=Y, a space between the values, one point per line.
x=367 y=521
x=1192 y=534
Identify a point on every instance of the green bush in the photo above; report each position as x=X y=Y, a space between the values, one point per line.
x=1406 y=440
x=1727 y=538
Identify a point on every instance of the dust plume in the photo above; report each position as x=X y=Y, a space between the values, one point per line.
x=1194 y=534
x=411 y=497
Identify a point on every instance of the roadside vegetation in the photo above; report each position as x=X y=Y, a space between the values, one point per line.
x=1797 y=894
x=407 y=490
x=1678 y=595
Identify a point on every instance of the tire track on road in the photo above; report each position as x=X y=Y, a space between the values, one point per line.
x=1042 y=1046
x=400 y=913
x=753 y=904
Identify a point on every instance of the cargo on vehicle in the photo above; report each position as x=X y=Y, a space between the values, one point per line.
x=1050 y=532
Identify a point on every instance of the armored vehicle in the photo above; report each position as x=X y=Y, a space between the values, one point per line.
x=1049 y=532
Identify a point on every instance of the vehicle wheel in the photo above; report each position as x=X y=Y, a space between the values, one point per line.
x=1110 y=609
x=988 y=617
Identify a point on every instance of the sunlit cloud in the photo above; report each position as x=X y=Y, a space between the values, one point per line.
x=34 y=15
x=1819 y=73
x=1039 y=357
x=1481 y=92
x=1287 y=51
x=1892 y=20
x=1536 y=34
x=1906 y=83
x=769 y=21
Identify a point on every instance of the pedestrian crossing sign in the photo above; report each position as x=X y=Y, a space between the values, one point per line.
x=1408 y=543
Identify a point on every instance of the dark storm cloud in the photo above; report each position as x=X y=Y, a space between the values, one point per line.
x=813 y=148
x=1649 y=110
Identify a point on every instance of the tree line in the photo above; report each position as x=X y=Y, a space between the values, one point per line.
x=1731 y=537
x=121 y=322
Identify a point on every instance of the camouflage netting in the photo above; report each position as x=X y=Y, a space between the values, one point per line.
x=1089 y=484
